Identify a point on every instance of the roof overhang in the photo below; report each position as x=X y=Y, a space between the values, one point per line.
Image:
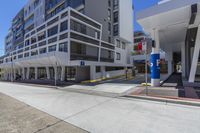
x=171 y=19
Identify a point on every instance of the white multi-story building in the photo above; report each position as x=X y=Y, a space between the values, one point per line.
x=72 y=41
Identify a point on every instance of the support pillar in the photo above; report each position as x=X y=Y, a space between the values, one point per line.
x=48 y=73
x=55 y=73
x=103 y=71
x=28 y=73
x=170 y=62
x=155 y=59
x=13 y=75
x=20 y=72
x=63 y=73
x=6 y=74
x=183 y=60
x=195 y=57
x=36 y=73
x=23 y=73
x=92 y=72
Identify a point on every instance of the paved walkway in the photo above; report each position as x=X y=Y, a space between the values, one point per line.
x=99 y=114
x=17 y=117
x=106 y=89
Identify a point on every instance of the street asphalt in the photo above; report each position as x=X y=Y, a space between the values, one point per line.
x=98 y=114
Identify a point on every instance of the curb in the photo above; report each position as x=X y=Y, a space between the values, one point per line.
x=105 y=79
x=165 y=100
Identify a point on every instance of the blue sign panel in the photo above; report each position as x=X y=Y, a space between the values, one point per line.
x=82 y=63
x=155 y=66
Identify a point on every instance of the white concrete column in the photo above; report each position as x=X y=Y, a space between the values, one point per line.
x=195 y=57
x=48 y=73
x=155 y=59
x=6 y=74
x=14 y=74
x=103 y=71
x=92 y=72
x=63 y=73
x=20 y=72
x=183 y=65
x=170 y=61
x=28 y=73
x=23 y=73
x=36 y=73
x=169 y=67
x=11 y=75
x=55 y=73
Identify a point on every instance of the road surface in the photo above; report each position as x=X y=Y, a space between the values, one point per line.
x=98 y=114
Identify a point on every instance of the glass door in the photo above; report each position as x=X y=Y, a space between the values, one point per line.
x=70 y=73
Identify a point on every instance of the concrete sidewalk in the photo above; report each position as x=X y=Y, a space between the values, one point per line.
x=97 y=114
x=17 y=117
x=106 y=89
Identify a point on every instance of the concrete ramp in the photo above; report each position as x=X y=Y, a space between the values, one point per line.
x=107 y=89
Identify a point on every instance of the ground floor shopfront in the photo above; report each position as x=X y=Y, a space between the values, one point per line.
x=63 y=73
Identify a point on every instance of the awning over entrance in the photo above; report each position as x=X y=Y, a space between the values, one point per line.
x=173 y=20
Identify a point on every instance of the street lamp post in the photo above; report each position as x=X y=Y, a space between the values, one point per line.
x=146 y=67
x=55 y=75
x=12 y=73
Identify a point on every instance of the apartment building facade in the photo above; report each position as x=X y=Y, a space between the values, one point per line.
x=71 y=40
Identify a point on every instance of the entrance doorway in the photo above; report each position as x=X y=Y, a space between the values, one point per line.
x=70 y=74
x=177 y=62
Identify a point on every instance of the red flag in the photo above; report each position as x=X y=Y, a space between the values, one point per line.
x=140 y=46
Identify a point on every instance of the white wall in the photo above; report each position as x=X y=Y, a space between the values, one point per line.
x=126 y=20
x=39 y=11
x=110 y=74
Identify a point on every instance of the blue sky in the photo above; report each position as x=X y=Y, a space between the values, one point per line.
x=140 y=5
x=9 y=8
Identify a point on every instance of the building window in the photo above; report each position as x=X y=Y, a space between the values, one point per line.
x=43 y=50
x=78 y=27
x=26 y=55
x=123 y=45
x=36 y=3
x=109 y=28
x=107 y=55
x=98 y=69
x=109 y=3
x=116 y=17
x=33 y=53
x=115 y=4
x=63 y=47
x=63 y=26
x=118 y=56
x=109 y=14
x=20 y=56
x=109 y=39
x=27 y=42
x=116 y=30
x=41 y=36
x=33 y=40
x=52 y=48
x=118 y=43
x=20 y=46
x=53 y=31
